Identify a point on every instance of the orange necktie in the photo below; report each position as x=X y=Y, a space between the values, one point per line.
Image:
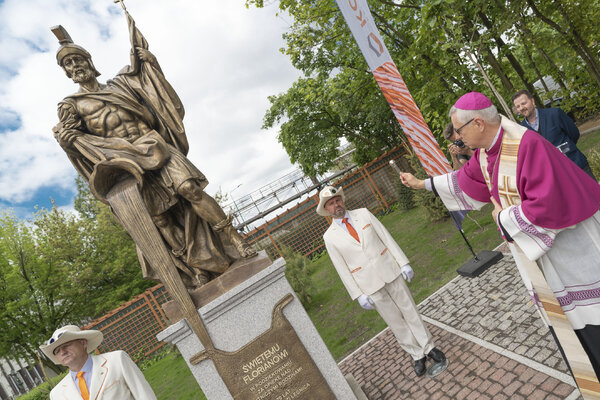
x=351 y=229
x=82 y=386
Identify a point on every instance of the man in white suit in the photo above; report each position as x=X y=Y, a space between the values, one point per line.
x=372 y=267
x=108 y=376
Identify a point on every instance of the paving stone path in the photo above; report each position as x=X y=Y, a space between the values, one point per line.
x=496 y=308
x=496 y=343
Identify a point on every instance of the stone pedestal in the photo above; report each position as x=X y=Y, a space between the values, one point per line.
x=237 y=317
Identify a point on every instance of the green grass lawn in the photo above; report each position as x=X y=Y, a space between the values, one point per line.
x=589 y=141
x=171 y=379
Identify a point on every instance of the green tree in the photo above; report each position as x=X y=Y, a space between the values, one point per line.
x=85 y=203
x=576 y=24
x=516 y=43
x=338 y=99
x=43 y=279
x=220 y=197
x=319 y=112
x=118 y=271
x=61 y=268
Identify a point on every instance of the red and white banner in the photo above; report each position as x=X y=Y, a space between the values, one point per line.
x=359 y=19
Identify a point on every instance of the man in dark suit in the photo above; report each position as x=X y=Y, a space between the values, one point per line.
x=554 y=125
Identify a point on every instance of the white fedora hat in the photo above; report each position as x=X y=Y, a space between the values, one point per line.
x=68 y=333
x=327 y=193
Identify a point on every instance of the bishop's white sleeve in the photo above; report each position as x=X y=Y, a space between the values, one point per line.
x=534 y=240
x=447 y=188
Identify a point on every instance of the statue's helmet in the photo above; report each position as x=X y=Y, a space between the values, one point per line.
x=67 y=47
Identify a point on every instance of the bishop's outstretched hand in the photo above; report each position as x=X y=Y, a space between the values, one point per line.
x=409 y=180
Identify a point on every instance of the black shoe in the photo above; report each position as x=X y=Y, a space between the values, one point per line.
x=420 y=366
x=436 y=355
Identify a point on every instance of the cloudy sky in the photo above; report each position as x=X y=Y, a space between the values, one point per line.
x=221 y=58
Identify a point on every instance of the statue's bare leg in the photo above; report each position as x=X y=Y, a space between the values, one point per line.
x=172 y=233
x=209 y=210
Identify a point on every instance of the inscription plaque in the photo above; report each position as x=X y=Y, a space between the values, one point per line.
x=274 y=366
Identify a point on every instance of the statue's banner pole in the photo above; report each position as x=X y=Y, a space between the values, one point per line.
x=359 y=20
x=122 y=4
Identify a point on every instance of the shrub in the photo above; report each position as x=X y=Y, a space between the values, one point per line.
x=297 y=273
x=404 y=197
x=145 y=362
x=42 y=392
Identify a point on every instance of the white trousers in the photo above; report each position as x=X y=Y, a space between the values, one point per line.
x=398 y=309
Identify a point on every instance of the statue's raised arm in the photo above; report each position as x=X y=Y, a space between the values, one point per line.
x=140 y=52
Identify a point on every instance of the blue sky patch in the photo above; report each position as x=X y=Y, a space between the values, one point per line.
x=9 y=120
x=62 y=198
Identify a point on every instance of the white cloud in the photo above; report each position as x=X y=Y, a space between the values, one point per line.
x=221 y=58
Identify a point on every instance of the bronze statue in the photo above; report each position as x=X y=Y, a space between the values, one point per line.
x=134 y=123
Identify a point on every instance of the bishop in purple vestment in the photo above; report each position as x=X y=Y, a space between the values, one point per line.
x=545 y=206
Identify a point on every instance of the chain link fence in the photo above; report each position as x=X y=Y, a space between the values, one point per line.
x=133 y=326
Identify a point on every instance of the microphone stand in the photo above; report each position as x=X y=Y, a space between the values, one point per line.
x=480 y=262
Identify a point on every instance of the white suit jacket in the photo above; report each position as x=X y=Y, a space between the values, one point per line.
x=367 y=266
x=114 y=377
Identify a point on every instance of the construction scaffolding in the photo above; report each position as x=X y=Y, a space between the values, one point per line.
x=246 y=208
x=259 y=204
